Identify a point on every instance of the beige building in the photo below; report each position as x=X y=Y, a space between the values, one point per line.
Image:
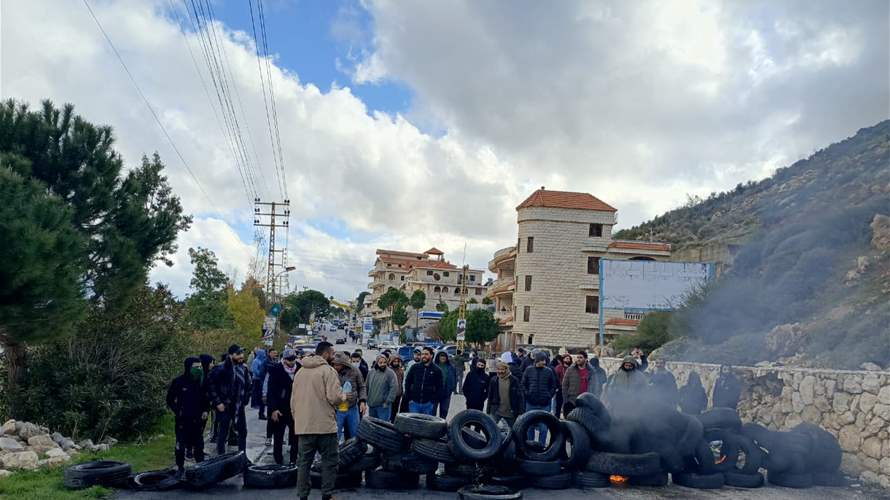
x=428 y=271
x=547 y=287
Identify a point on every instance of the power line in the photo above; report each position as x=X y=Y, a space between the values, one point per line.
x=145 y=99
x=272 y=94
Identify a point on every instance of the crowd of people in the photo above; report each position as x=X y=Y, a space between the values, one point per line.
x=316 y=400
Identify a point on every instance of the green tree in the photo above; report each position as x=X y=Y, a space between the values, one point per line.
x=417 y=301
x=399 y=316
x=487 y=301
x=652 y=333
x=392 y=298
x=246 y=313
x=360 y=302
x=303 y=306
x=481 y=326
x=472 y=301
x=442 y=307
x=206 y=306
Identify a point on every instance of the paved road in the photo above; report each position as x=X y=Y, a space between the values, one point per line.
x=258 y=453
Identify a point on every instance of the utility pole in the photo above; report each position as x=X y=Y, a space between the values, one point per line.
x=278 y=217
x=462 y=310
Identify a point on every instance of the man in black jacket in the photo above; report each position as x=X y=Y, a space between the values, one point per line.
x=423 y=384
x=187 y=400
x=538 y=388
x=230 y=388
x=475 y=387
x=278 y=393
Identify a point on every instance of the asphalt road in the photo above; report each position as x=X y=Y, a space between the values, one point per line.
x=259 y=453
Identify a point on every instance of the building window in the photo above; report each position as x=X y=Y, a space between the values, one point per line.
x=530 y=245
x=402 y=278
x=595 y=231
x=429 y=273
x=472 y=277
x=641 y=258
x=444 y=289
x=478 y=291
x=446 y=273
x=389 y=265
x=436 y=290
x=528 y=282
x=526 y=310
x=593 y=265
x=592 y=306
x=392 y=276
x=456 y=291
x=518 y=244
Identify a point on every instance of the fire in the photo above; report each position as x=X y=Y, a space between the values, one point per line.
x=618 y=480
x=720 y=460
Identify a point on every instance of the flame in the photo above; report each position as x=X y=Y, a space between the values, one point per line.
x=720 y=460
x=618 y=480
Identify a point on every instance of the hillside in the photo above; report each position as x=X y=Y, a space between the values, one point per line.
x=805 y=260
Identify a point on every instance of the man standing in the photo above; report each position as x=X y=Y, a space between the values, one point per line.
x=538 y=388
x=505 y=395
x=579 y=378
x=663 y=384
x=278 y=395
x=271 y=362
x=258 y=373
x=314 y=398
x=459 y=361
x=230 y=393
x=727 y=389
x=187 y=399
x=359 y=364
x=564 y=361
x=640 y=358
x=353 y=385
x=423 y=384
x=624 y=387
x=475 y=387
x=383 y=389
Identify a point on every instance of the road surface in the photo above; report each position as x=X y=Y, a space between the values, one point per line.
x=259 y=453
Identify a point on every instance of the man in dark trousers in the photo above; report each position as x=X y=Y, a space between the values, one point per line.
x=423 y=384
x=475 y=387
x=727 y=389
x=505 y=395
x=230 y=389
x=663 y=384
x=187 y=399
x=538 y=388
x=278 y=394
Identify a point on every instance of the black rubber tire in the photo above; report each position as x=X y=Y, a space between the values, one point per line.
x=514 y=481
x=658 y=480
x=156 y=480
x=461 y=470
x=594 y=425
x=382 y=434
x=585 y=480
x=698 y=481
x=593 y=403
x=557 y=440
x=760 y=434
x=98 y=472
x=482 y=421
x=721 y=418
x=559 y=481
x=690 y=436
x=796 y=443
x=488 y=492
x=778 y=461
x=826 y=451
x=216 y=469
x=473 y=438
x=434 y=450
x=705 y=457
x=421 y=425
x=367 y=461
x=623 y=464
x=392 y=461
x=350 y=452
x=538 y=468
x=614 y=439
x=270 y=476
x=835 y=478
x=741 y=480
x=790 y=480
x=445 y=482
x=348 y=481
x=416 y=464
x=754 y=456
x=669 y=458
x=385 y=480
x=577 y=436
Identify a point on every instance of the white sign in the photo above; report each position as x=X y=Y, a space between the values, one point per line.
x=461 y=329
x=650 y=285
x=368 y=325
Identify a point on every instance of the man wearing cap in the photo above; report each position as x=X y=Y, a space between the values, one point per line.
x=314 y=399
x=278 y=395
x=229 y=392
x=356 y=396
x=538 y=388
x=383 y=388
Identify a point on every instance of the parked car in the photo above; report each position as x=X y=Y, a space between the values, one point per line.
x=406 y=352
x=450 y=349
x=341 y=340
x=372 y=343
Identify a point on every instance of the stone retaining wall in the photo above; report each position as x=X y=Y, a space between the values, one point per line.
x=852 y=405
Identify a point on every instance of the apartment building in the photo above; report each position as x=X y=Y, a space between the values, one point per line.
x=547 y=287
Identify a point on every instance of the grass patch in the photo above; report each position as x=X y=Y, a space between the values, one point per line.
x=46 y=484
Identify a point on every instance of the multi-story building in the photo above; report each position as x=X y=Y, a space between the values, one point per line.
x=547 y=287
x=428 y=271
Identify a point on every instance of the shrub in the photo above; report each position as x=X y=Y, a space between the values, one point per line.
x=652 y=333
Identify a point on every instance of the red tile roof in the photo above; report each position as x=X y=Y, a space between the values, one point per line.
x=622 y=322
x=434 y=251
x=565 y=199
x=641 y=245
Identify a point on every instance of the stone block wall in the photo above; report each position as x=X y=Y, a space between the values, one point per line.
x=852 y=405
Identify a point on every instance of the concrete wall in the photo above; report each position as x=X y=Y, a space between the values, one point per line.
x=852 y=405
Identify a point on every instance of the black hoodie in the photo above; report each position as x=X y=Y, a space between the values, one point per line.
x=186 y=397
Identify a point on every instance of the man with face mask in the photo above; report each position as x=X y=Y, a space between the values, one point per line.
x=475 y=387
x=230 y=389
x=278 y=394
x=187 y=399
x=358 y=363
x=423 y=384
x=383 y=388
x=356 y=396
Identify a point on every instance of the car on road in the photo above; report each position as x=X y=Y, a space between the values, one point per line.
x=451 y=350
x=388 y=345
x=372 y=344
x=406 y=352
x=341 y=340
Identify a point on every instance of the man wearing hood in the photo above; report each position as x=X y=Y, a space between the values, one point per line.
x=475 y=387
x=279 y=385
x=538 y=388
x=383 y=388
x=359 y=364
x=208 y=363
x=353 y=385
x=625 y=385
x=187 y=399
x=693 y=399
x=579 y=378
x=450 y=382
x=663 y=384
x=727 y=389
x=459 y=361
x=229 y=391
x=258 y=373
x=423 y=384
x=314 y=399
x=505 y=395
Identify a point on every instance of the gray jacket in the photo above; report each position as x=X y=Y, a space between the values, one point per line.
x=383 y=386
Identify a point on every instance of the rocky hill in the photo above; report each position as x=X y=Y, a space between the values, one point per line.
x=805 y=262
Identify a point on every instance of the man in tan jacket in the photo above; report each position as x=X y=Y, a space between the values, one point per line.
x=314 y=400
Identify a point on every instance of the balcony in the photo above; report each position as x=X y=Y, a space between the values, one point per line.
x=505 y=318
x=501 y=256
x=501 y=286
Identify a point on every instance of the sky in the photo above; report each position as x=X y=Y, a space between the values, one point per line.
x=410 y=124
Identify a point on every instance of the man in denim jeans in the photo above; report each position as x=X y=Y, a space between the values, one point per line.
x=423 y=384
x=356 y=397
x=539 y=385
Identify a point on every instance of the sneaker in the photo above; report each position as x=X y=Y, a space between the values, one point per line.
x=268 y=441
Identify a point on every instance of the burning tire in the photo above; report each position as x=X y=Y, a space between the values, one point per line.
x=548 y=452
x=623 y=464
x=790 y=480
x=382 y=434
x=421 y=425
x=558 y=481
x=580 y=444
x=658 y=480
x=488 y=492
x=753 y=455
x=536 y=468
x=699 y=481
x=721 y=418
x=741 y=480
x=480 y=421
x=729 y=452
